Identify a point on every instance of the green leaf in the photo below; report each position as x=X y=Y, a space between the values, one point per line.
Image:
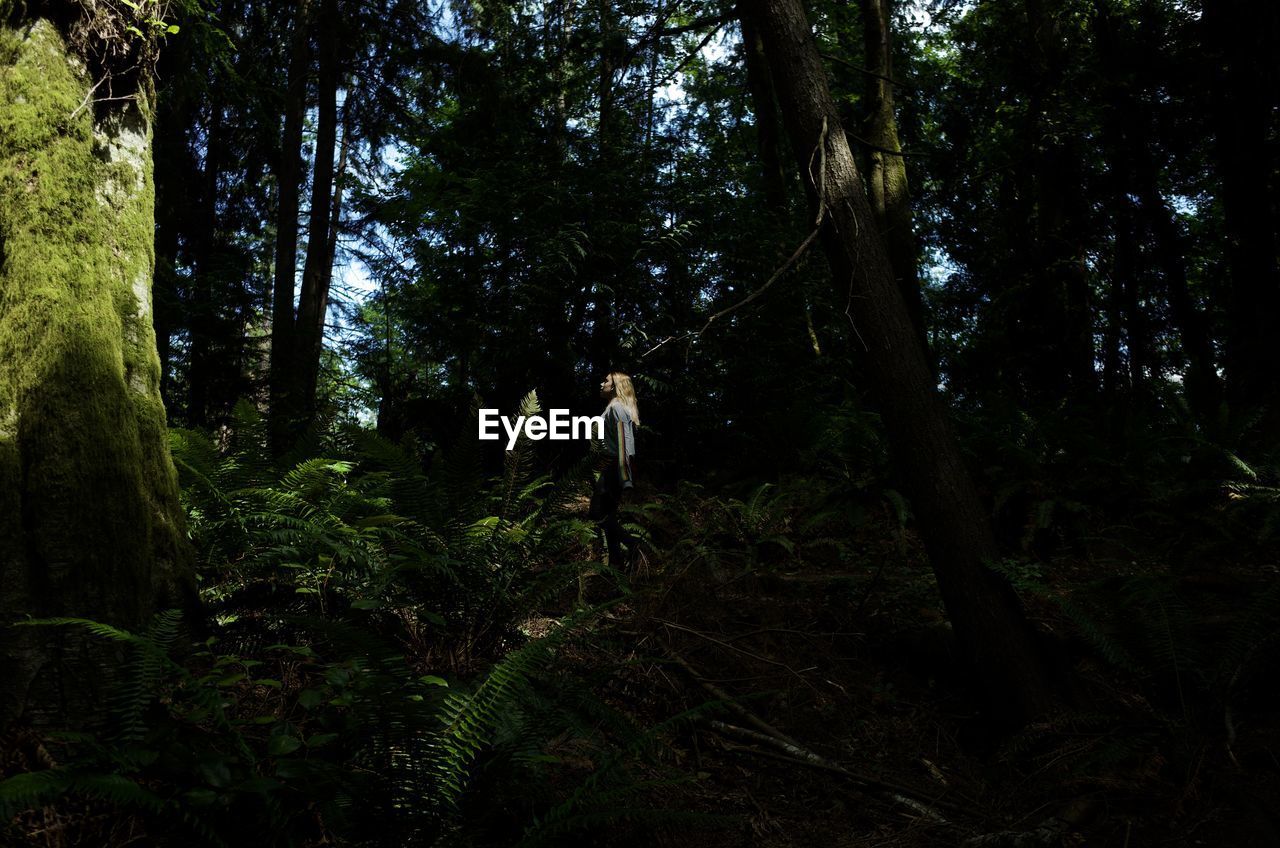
x=281 y=745
x=201 y=797
x=310 y=698
x=262 y=785
x=377 y=521
x=214 y=772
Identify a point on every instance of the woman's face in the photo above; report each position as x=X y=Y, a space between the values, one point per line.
x=606 y=388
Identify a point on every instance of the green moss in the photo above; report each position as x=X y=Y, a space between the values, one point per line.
x=89 y=516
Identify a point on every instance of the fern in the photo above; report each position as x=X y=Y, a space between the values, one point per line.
x=140 y=679
x=408 y=486
x=598 y=799
x=1259 y=624
x=517 y=459
x=137 y=687
x=469 y=721
x=378 y=525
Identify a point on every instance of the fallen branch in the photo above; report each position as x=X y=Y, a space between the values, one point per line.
x=725 y=644
x=1048 y=833
x=730 y=702
x=803 y=756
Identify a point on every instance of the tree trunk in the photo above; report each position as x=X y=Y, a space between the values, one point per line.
x=1127 y=277
x=764 y=107
x=1135 y=169
x=887 y=180
x=172 y=145
x=288 y=177
x=317 y=274
x=204 y=316
x=1125 y=284
x=90 y=523
x=601 y=267
x=1061 y=291
x=174 y=171
x=991 y=630
x=1111 y=374
x=1242 y=38
x=1204 y=389
x=557 y=24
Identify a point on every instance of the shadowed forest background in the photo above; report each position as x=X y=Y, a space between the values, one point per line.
x=951 y=325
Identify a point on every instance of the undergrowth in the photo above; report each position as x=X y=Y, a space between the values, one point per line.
x=368 y=663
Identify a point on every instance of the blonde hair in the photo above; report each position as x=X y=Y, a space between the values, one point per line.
x=624 y=394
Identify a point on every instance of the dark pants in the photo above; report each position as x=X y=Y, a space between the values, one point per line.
x=604 y=511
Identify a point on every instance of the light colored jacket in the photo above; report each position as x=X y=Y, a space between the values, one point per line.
x=620 y=440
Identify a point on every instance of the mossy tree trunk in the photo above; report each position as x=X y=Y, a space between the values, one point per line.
x=887 y=186
x=90 y=523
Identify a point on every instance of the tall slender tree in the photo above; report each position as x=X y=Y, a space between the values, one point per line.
x=994 y=636
x=317 y=273
x=887 y=186
x=288 y=172
x=1242 y=40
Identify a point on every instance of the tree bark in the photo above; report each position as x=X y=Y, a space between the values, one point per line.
x=764 y=107
x=1127 y=273
x=174 y=170
x=602 y=264
x=288 y=177
x=1135 y=170
x=317 y=274
x=991 y=630
x=887 y=177
x=1061 y=293
x=558 y=22
x=1243 y=39
x=90 y=523
x=172 y=151
x=204 y=311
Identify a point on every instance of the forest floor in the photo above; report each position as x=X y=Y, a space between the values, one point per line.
x=785 y=677
x=854 y=724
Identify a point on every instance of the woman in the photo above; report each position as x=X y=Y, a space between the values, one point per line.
x=618 y=447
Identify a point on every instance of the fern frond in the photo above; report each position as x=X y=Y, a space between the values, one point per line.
x=469 y=720
x=1259 y=623
x=516 y=461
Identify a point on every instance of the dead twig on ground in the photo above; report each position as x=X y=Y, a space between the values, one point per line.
x=802 y=756
x=731 y=703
